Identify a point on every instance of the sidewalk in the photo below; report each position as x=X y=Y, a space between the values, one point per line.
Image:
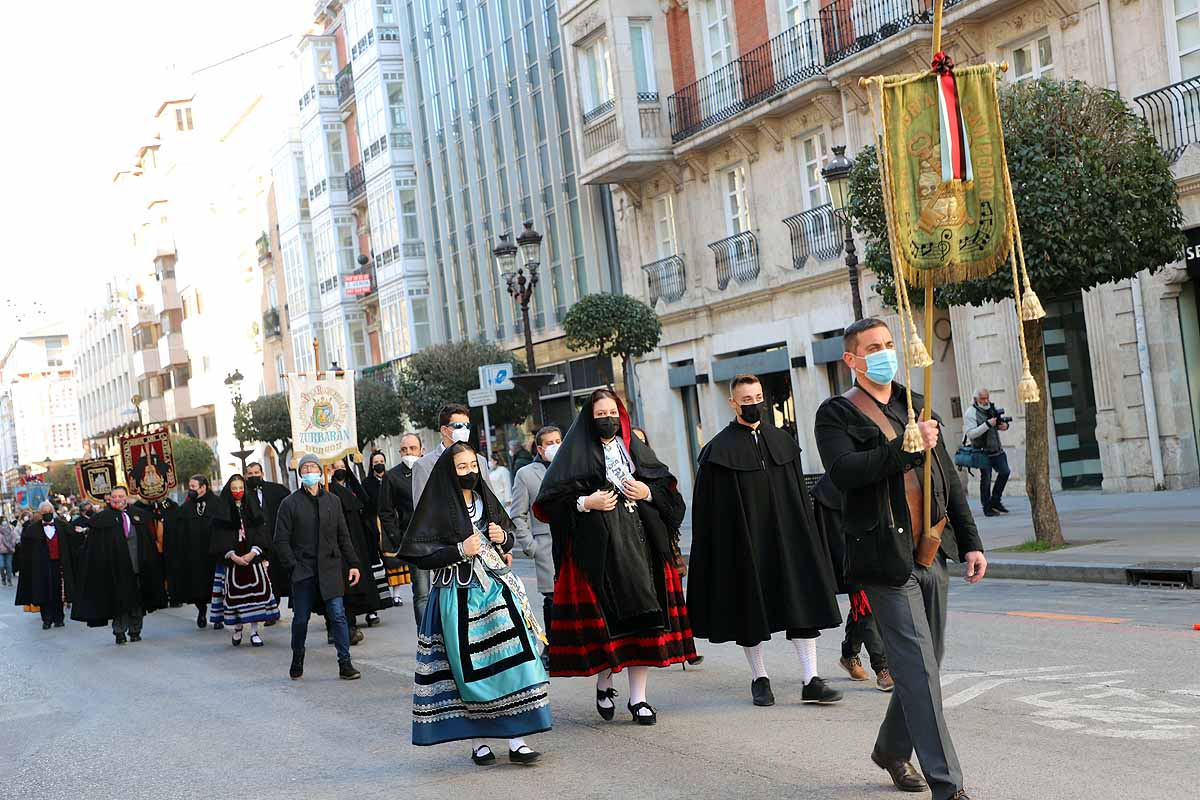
x=1122 y=531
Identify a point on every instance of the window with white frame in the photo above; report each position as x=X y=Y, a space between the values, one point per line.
x=664 y=225
x=372 y=124
x=736 y=201
x=718 y=46
x=381 y=212
x=813 y=156
x=358 y=345
x=393 y=326
x=337 y=152
x=344 y=227
x=422 y=333
x=326 y=267
x=272 y=294
x=358 y=20
x=643 y=57
x=334 y=347
x=314 y=158
x=386 y=12
x=1033 y=59
x=595 y=73
x=295 y=277
x=326 y=63
x=795 y=12
x=396 y=110
x=411 y=227
x=302 y=350
x=1186 y=14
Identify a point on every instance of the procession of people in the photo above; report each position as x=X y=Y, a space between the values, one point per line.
x=600 y=515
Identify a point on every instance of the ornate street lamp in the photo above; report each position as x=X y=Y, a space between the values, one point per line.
x=233 y=382
x=836 y=175
x=521 y=288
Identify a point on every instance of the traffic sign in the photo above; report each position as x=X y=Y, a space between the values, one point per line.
x=496 y=376
x=481 y=397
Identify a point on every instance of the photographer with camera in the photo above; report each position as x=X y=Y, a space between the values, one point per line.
x=983 y=425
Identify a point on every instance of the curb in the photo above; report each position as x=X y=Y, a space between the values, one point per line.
x=1016 y=569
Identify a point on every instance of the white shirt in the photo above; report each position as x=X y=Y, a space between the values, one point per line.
x=49 y=530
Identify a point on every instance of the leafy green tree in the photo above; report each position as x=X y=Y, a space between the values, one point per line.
x=614 y=325
x=444 y=373
x=192 y=457
x=379 y=411
x=62 y=480
x=271 y=423
x=1097 y=204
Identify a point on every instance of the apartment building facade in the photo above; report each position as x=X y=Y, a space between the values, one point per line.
x=711 y=121
x=104 y=369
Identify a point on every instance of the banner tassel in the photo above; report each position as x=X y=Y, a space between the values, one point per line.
x=918 y=355
x=1027 y=389
x=1031 y=306
x=914 y=442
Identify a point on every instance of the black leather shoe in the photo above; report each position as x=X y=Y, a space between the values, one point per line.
x=297 y=669
x=120 y=638
x=483 y=756
x=998 y=506
x=135 y=637
x=523 y=755
x=59 y=624
x=45 y=626
x=695 y=662
x=218 y=626
x=815 y=691
x=904 y=774
x=760 y=690
x=991 y=512
x=347 y=672
x=201 y=622
x=372 y=619
x=606 y=713
x=643 y=719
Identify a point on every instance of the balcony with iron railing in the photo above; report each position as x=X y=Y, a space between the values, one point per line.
x=667 y=279
x=345 y=87
x=815 y=232
x=1173 y=114
x=263 y=245
x=736 y=258
x=356 y=183
x=851 y=26
x=763 y=73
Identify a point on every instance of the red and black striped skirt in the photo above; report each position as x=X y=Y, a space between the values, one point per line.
x=579 y=642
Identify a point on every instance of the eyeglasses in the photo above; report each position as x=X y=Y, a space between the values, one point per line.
x=458 y=426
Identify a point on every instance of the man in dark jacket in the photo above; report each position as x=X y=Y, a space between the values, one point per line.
x=313 y=544
x=269 y=495
x=46 y=574
x=396 y=509
x=869 y=465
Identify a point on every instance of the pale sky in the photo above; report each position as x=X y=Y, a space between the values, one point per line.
x=87 y=79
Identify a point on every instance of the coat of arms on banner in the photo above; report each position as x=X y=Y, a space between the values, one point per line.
x=323 y=415
x=96 y=478
x=149 y=465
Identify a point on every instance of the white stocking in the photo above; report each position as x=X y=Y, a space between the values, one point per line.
x=758 y=665
x=806 y=649
x=637 y=684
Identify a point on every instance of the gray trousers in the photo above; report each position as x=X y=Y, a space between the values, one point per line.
x=420 y=584
x=129 y=621
x=912 y=622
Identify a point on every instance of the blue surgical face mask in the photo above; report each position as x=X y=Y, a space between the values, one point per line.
x=881 y=366
x=310 y=479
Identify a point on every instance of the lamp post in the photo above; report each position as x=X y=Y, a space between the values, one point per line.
x=836 y=175
x=520 y=288
x=233 y=382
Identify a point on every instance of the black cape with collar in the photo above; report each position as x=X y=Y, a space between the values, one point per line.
x=109 y=585
x=606 y=545
x=363 y=597
x=163 y=512
x=441 y=518
x=33 y=584
x=759 y=564
x=395 y=506
x=189 y=563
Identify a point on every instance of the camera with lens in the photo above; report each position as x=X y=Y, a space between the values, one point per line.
x=1000 y=416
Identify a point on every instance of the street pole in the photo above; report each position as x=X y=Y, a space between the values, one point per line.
x=535 y=397
x=487 y=434
x=852 y=266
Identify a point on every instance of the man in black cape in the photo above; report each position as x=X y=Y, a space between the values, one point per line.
x=363 y=598
x=758 y=563
x=396 y=506
x=160 y=519
x=122 y=574
x=46 y=575
x=269 y=495
x=189 y=560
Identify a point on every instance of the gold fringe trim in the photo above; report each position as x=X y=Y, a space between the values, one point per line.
x=914 y=442
x=1031 y=306
x=917 y=353
x=1027 y=389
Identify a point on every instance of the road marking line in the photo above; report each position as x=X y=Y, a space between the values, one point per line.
x=970 y=693
x=1067 y=617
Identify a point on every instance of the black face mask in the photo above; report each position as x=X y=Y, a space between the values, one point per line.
x=48 y=517
x=193 y=494
x=608 y=427
x=340 y=475
x=468 y=481
x=751 y=413
x=253 y=482
x=379 y=469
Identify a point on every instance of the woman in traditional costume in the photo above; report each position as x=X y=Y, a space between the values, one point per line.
x=611 y=505
x=240 y=544
x=478 y=672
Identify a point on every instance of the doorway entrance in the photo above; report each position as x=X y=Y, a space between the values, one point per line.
x=1072 y=394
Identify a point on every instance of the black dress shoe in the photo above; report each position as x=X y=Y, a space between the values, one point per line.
x=760 y=690
x=815 y=691
x=45 y=626
x=296 y=671
x=120 y=638
x=217 y=626
x=695 y=661
x=483 y=756
x=372 y=619
x=347 y=672
x=643 y=719
x=523 y=755
x=606 y=713
x=904 y=774
x=998 y=506
x=991 y=512
x=59 y=624
x=201 y=622
x=135 y=637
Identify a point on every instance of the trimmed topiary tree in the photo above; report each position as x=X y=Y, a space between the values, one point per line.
x=444 y=373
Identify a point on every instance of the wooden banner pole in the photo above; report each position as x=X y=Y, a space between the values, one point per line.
x=927 y=404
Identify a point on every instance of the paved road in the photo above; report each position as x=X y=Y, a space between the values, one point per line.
x=1040 y=707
